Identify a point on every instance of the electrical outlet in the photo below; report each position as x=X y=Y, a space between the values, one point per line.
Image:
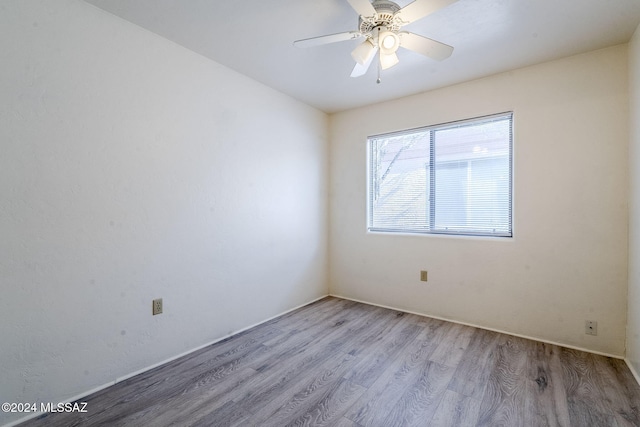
x=157 y=306
x=423 y=275
x=591 y=327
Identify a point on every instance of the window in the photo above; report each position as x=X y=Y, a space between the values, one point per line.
x=454 y=178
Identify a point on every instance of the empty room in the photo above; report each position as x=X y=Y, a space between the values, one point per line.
x=343 y=213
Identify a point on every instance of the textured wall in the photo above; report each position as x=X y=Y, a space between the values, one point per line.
x=133 y=169
x=568 y=259
x=633 y=321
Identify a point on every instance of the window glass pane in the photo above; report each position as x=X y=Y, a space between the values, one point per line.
x=453 y=178
x=451 y=195
x=399 y=187
x=472 y=178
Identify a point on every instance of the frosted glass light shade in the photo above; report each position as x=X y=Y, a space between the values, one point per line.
x=388 y=42
x=363 y=53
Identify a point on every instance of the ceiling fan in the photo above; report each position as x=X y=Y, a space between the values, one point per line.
x=380 y=23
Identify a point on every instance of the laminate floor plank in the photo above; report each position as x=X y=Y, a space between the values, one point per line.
x=587 y=404
x=314 y=322
x=329 y=407
x=376 y=328
x=281 y=377
x=622 y=401
x=341 y=363
x=374 y=406
x=546 y=401
x=189 y=406
x=456 y=409
x=159 y=381
x=472 y=371
x=345 y=422
x=131 y=400
x=291 y=319
x=188 y=390
x=178 y=397
x=315 y=312
x=380 y=355
x=226 y=415
x=418 y=404
x=296 y=401
x=291 y=382
x=333 y=331
x=451 y=350
x=505 y=395
x=191 y=365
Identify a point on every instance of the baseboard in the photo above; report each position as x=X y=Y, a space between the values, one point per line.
x=140 y=371
x=633 y=370
x=171 y=359
x=480 y=327
x=71 y=399
x=155 y=365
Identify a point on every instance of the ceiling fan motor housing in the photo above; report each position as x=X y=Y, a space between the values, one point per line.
x=385 y=17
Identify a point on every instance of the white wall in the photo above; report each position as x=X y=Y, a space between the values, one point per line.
x=133 y=169
x=633 y=320
x=568 y=259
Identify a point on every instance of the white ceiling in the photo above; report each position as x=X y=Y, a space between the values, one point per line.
x=255 y=38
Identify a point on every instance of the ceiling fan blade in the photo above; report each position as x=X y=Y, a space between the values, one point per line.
x=331 y=38
x=388 y=60
x=363 y=7
x=421 y=8
x=361 y=69
x=425 y=46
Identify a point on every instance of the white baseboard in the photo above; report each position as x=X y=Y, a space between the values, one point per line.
x=480 y=327
x=155 y=365
x=171 y=359
x=633 y=370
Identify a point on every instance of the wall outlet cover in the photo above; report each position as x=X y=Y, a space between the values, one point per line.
x=157 y=306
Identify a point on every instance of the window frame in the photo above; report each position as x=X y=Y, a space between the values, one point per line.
x=431 y=230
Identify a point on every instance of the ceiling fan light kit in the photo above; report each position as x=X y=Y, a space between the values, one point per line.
x=380 y=23
x=364 y=52
x=389 y=41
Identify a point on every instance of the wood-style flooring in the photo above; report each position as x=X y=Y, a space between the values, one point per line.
x=341 y=363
